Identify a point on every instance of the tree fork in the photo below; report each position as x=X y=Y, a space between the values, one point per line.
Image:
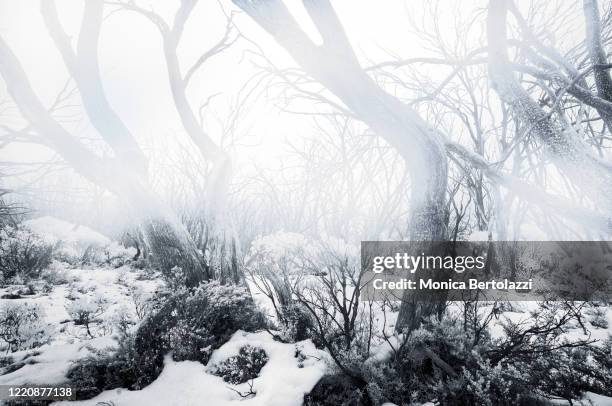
x=335 y=65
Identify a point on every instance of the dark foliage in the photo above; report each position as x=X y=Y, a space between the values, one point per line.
x=105 y=369
x=242 y=367
x=337 y=390
x=192 y=325
x=189 y=324
x=22 y=253
x=297 y=324
x=445 y=361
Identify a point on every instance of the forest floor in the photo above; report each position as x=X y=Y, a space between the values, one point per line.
x=117 y=293
x=283 y=381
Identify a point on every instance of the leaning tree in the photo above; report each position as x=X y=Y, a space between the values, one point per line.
x=425 y=148
x=126 y=172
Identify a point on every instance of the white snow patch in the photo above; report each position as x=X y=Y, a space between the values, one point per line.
x=281 y=381
x=51 y=364
x=53 y=230
x=590 y=399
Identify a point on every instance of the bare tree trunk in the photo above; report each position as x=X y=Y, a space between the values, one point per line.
x=601 y=73
x=335 y=65
x=113 y=174
x=603 y=81
x=84 y=68
x=166 y=236
x=224 y=265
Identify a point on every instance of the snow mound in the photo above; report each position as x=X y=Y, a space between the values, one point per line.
x=54 y=230
x=282 y=382
x=49 y=364
x=77 y=244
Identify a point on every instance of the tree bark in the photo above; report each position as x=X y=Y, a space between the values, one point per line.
x=569 y=153
x=603 y=81
x=224 y=254
x=597 y=54
x=335 y=66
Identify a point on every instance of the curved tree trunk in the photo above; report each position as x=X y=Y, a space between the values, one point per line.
x=221 y=244
x=117 y=174
x=597 y=54
x=335 y=65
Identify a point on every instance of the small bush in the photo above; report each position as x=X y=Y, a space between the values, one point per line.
x=602 y=366
x=23 y=253
x=599 y=317
x=141 y=300
x=22 y=326
x=296 y=324
x=337 y=390
x=485 y=385
x=93 y=253
x=242 y=367
x=189 y=324
x=55 y=276
x=193 y=324
x=116 y=255
x=86 y=310
x=105 y=369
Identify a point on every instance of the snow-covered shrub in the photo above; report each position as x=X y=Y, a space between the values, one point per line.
x=565 y=373
x=455 y=363
x=105 y=369
x=116 y=255
x=485 y=385
x=175 y=278
x=242 y=367
x=22 y=326
x=337 y=390
x=296 y=323
x=193 y=324
x=79 y=245
x=425 y=364
x=86 y=310
x=210 y=316
x=55 y=274
x=120 y=322
x=274 y=261
x=74 y=242
x=599 y=317
x=23 y=253
x=108 y=368
x=142 y=301
x=602 y=363
x=308 y=282
x=111 y=254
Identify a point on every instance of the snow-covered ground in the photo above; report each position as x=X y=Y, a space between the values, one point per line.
x=281 y=382
x=111 y=285
x=48 y=364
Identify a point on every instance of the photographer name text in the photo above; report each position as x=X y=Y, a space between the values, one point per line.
x=470 y=284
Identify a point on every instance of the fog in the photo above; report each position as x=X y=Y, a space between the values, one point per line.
x=214 y=194
x=299 y=161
